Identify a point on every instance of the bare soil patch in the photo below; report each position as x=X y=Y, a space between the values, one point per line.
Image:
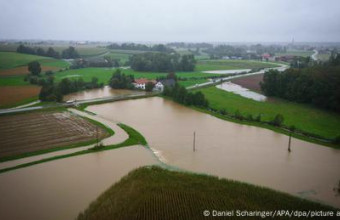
x=250 y=82
x=31 y=132
x=23 y=70
x=9 y=95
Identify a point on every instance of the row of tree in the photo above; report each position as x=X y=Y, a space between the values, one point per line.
x=69 y=53
x=141 y=47
x=183 y=96
x=162 y=62
x=51 y=91
x=121 y=81
x=317 y=85
x=104 y=62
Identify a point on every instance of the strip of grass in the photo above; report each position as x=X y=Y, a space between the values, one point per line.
x=189 y=82
x=303 y=117
x=135 y=138
x=13 y=81
x=155 y=193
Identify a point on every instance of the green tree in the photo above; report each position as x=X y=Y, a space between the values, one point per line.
x=34 y=68
x=149 y=86
x=278 y=120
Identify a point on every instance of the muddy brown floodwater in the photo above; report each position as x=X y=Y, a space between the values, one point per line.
x=246 y=153
x=63 y=188
x=104 y=92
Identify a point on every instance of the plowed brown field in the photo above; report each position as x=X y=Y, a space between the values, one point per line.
x=250 y=82
x=30 y=132
x=10 y=95
x=23 y=70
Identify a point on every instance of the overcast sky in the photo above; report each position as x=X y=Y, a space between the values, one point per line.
x=172 y=20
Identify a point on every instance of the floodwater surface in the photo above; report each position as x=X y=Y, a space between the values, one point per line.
x=104 y=92
x=61 y=189
x=246 y=153
x=237 y=89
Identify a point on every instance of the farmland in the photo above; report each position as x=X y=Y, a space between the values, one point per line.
x=10 y=60
x=10 y=95
x=251 y=82
x=151 y=192
x=39 y=131
x=205 y=65
x=302 y=53
x=304 y=117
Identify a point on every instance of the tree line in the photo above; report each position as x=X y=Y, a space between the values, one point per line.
x=69 y=53
x=51 y=91
x=141 y=47
x=162 y=62
x=317 y=85
x=121 y=81
x=181 y=95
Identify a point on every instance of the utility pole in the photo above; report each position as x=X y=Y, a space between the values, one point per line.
x=97 y=135
x=289 y=142
x=194 y=141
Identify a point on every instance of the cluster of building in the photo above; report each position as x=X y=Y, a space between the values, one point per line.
x=158 y=84
x=284 y=58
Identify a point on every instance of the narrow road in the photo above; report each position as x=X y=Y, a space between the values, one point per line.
x=315 y=55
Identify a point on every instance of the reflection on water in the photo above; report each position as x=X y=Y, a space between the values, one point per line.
x=237 y=89
x=230 y=150
x=104 y=92
x=61 y=189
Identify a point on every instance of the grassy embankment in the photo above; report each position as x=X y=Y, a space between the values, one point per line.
x=305 y=118
x=156 y=193
x=135 y=138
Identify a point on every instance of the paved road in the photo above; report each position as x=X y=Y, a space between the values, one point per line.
x=281 y=68
x=315 y=55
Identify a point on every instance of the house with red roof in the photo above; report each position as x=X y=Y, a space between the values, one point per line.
x=140 y=83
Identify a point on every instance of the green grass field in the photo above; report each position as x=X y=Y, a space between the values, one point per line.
x=303 y=117
x=13 y=81
x=204 y=65
x=301 y=53
x=156 y=193
x=187 y=83
x=10 y=60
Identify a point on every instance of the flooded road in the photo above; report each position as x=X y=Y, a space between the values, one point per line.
x=230 y=150
x=104 y=92
x=61 y=189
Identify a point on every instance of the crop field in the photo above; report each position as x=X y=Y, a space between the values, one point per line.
x=250 y=82
x=23 y=133
x=301 y=53
x=104 y=74
x=155 y=193
x=23 y=70
x=303 y=117
x=10 y=95
x=205 y=65
x=10 y=60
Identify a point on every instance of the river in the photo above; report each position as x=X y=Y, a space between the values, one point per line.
x=246 y=153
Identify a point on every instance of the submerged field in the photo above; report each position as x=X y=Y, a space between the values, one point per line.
x=25 y=133
x=303 y=117
x=155 y=193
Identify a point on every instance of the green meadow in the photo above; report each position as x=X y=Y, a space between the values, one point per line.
x=303 y=117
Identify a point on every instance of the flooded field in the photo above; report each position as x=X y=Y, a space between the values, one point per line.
x=230 y=150
x=237 y=89
x=25 y=133
x=104 y=92
x=227 y=71
x=61 y=189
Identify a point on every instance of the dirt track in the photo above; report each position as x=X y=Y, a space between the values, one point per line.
x=37 y=131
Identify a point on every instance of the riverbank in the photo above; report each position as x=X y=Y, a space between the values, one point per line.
x=161 y=192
